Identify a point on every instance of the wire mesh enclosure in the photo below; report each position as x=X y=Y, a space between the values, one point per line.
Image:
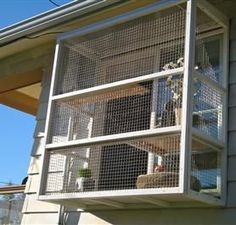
x=206 y=168
x=114 y=166
x=130 y=114
x=139 y=47
x=123 y=110
x=207 y=110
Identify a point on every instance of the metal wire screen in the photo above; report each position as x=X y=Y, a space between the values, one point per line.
x=208 y=60
x=206 y=169
x=208 y=101
x=118 y=111
x=115 y=166
x=207 y=110
x=135 y=48
x=143 y=46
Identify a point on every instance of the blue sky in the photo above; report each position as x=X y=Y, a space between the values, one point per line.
x=16 y=133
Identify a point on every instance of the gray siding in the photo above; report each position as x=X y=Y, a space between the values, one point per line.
x=231 y=195
x=34 y=211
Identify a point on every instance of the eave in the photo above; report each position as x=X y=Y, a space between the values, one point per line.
x=51 y=18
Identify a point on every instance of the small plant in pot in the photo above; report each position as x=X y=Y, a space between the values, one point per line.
x=84 y=182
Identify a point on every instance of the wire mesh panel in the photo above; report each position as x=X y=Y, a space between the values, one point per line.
x=118 y=111
x=208 y=100
x=135 y=48
x=209 y=53
x=115 y=166
x=207 y=110
x=206 y=169
x=209 y=58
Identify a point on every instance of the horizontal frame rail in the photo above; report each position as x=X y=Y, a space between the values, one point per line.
x=209 y=82
x=116 y=137
x=117 y=193
x=207 y=139
x=117 y=85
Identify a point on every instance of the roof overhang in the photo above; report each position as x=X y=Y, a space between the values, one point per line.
x=51 y=18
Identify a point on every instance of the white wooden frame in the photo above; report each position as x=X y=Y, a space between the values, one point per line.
x=185 y=129
x=186 y=132
x=219 y=145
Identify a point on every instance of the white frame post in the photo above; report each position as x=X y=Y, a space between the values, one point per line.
x=52 y=87
x=151 y=156
x=225 y=114
x=223 y=20
x=186 y=130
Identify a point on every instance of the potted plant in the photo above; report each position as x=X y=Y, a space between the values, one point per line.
x=84 y=182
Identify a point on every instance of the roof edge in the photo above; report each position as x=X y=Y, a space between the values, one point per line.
x=51 y=18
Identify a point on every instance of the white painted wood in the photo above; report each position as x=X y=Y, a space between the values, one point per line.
x=40 y=218
x=43 y=169
x=108 y=203
x=153 y=201
x=117 y=137
x=213 y=142
x=35 y=165
x=32 y=184
x=118 y=193
x=214 y=13
x=32 y=205
x=70 y=129
x=186 y=131
x=153 y=122
x=38 y=146
x=224 y=165
x=42 y=110
x=86 y=218
x=39 y=129
x=117 y=85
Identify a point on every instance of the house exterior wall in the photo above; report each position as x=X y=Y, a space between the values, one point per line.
x=36 y=212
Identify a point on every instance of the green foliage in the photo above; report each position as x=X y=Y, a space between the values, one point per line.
x=84 y=173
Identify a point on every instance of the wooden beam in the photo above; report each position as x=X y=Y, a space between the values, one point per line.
x=13 y=189
x=123 y=137
x=8 y=83
x=22 y=102
x=117 y=85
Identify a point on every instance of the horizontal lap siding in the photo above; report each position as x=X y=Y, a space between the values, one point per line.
x=34 y=211
x=231 y=197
